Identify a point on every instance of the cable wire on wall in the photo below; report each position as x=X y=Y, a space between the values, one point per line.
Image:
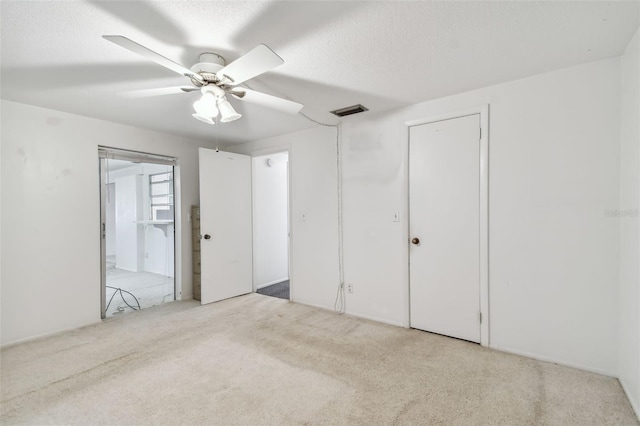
x=339 y=304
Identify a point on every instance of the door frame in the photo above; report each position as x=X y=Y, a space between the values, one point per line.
x=177 y=218
x=278 y=150
x=483 y=111
x=103 y=237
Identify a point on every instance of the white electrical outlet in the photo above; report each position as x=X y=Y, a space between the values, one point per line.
x=350 y=287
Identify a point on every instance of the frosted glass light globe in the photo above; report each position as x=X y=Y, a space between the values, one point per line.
x=227 y=113
x=206 y=106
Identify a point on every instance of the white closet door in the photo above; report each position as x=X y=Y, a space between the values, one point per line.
x=444 y=254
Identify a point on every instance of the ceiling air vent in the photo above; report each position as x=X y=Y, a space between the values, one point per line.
x=355 y=109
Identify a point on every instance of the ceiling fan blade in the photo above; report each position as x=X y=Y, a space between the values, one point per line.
x=150 y=54
x=160 y=91
x=259 y=60
x=268 y=101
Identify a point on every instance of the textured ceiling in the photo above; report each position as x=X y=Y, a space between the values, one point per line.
x=380 y=54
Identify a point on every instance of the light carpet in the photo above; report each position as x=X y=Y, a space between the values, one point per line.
x=256 y=360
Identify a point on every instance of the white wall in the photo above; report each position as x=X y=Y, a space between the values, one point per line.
x=554 y=170
x=129 y=238
x=50 y=214
x=314 y=209
x=629 y=358
x=270 y=219
x=159 y=251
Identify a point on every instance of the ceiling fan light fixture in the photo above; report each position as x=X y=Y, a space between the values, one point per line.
x=227 y=113
x=206 y=106
x=204 y=119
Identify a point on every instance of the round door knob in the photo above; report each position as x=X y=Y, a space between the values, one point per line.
x=207 y=236
x=415 y=240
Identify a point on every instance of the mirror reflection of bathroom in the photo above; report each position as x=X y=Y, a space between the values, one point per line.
x=139 y=236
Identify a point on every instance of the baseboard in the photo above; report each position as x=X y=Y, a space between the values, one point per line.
x=351 y=314
x=313 y=305
x=376 y=319
x=258 y=287
x=48 y=334
x=633 y=402
x=495 y=347
x=554 y=361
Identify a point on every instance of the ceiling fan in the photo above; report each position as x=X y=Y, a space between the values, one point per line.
x=214 y=79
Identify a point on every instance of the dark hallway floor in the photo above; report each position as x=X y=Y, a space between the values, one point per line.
x=279 y=290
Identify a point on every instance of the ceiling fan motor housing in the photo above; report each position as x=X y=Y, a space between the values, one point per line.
x=209 y=65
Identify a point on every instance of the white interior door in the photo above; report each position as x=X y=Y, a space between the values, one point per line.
x=225 y=225
x=444 y=256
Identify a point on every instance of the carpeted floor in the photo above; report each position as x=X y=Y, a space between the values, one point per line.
x=256 y=360
x=279 y=290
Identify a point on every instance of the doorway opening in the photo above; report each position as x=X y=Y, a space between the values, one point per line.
x=138 y=233
x=270 y=175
